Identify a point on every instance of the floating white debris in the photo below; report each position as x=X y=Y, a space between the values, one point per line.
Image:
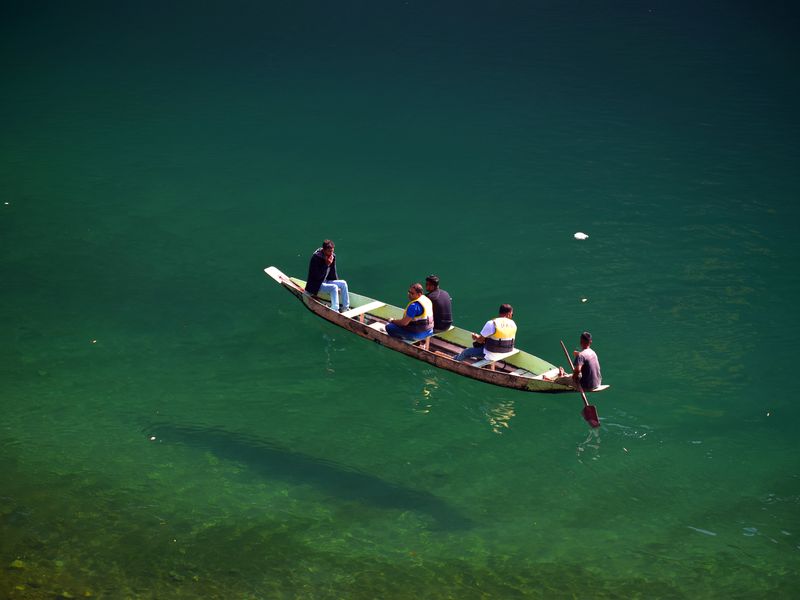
x=584 y=299
x=580 y=236
x=703 y=531
x=152 y=438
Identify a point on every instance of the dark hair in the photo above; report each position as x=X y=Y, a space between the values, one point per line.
x=505 y=309
x=586 y=336
x=417 y=287
x=327 y=245
x=433 y=280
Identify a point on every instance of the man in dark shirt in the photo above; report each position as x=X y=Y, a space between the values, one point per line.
x=322 y=277
x=442 y=304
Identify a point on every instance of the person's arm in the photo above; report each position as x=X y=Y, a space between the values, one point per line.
x=488 y=329
x=315 y=274
x=332 y=275
x=402 y=322
x=576 y=373
x=412 y=311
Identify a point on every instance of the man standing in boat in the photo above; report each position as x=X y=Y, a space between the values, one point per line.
x=417 y=320
x=322 y=277
x=496 y=337
x=586 y=375
x=442 y=304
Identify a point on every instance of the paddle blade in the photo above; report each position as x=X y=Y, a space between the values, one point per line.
x=590 y=414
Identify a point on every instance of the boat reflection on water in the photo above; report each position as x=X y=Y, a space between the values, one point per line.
x=423 y=402
x=499 y=416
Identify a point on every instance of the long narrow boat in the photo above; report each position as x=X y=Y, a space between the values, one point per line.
x=367 y=318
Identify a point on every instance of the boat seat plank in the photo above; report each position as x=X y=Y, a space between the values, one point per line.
x=360 y=310
x=498 y=357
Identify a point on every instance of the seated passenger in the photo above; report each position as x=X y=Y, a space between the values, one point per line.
x=322 y=277
x=417 y=320
x=442 y=304
x=496 y=337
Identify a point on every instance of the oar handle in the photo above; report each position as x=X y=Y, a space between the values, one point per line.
x=571 y=366
x=566 y=353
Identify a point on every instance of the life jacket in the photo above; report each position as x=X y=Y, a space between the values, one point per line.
x=502 y=340
x=424 y=321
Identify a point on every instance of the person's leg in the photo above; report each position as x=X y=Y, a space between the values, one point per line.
x=344 y=293
x=330 y=288
x=396 y=331
x=468 y=353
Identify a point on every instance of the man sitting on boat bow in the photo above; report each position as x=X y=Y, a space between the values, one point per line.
x=322 y=277
x=417 y=320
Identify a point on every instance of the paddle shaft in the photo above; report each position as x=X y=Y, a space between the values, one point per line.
x=571 y=366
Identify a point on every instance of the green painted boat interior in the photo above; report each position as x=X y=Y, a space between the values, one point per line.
x=462 y=337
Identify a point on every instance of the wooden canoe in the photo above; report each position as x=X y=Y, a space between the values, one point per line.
x=520 y=371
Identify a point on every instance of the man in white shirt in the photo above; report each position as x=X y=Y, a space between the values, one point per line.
x=495 y=339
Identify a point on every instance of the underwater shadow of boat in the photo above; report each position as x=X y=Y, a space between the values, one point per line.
x=272 y=461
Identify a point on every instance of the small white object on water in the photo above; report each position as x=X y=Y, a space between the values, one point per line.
x=584 y=299
x=152 y=438
x=703 y=531
x=581 y=236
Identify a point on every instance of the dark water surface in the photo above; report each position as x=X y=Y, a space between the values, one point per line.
x=174 y=425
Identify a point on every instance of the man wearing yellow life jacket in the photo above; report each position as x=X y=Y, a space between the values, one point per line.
x=417 y=320
x=495 y=339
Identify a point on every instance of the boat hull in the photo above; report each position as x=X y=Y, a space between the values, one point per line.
x=533 y=382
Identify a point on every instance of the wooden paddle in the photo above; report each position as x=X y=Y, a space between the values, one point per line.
x=589 y=412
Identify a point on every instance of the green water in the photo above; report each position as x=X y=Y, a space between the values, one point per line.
x=175 y=425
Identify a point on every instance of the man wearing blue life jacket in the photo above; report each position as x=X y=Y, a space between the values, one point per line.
x=495 y=339
x=417 y=320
